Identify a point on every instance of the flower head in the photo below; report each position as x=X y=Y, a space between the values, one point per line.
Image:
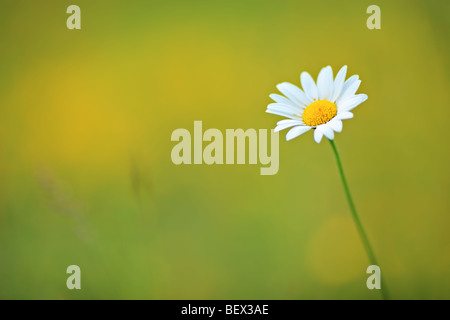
x=320 y=106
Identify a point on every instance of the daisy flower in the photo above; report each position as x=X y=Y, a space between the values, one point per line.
x=320 y=106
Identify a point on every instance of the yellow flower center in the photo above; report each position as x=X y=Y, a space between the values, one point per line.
x=319 y=112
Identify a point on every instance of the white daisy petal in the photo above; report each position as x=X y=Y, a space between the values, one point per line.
x=350 y=80
x=335 y=124
x=280 y=99
x=344 y=115
x=294 y=93
x=349 y=89
x=287 y=124
x=326 y=130
x=283 y=114
x=325 y=83
x=284 y=108
x=296 y=131
x=318 y=135
x=353 y=102
x=309 y=86
x=286 y=121
x=339 y=83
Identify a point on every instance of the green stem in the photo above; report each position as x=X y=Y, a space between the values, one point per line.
x=359 y=226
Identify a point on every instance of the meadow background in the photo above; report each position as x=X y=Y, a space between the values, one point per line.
x=86 y=176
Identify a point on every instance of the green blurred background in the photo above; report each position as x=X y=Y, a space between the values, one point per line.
x=86 y=176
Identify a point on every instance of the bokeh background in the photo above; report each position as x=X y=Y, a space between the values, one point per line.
x=86 y=176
